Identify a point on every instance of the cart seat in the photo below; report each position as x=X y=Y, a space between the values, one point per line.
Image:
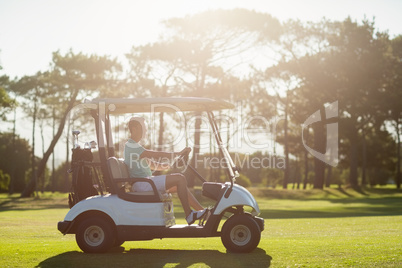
x=116 y=171
x=126 y=174
x=119 y=174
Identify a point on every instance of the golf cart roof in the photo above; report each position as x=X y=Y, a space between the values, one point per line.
x=144 y=105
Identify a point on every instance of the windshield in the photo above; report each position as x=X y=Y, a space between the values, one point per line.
x=232 y=169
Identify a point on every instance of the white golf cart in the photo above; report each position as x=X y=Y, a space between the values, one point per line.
x=105 y=212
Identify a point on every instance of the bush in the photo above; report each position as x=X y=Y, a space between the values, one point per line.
x=243 y=181
x=4 y=181
x=272 y=177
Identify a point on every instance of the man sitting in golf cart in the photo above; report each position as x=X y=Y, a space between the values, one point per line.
x=141 y=161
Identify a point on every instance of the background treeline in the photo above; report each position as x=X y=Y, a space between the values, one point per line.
x=272 y=69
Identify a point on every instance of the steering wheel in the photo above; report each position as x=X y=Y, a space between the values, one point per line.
x=181 y=158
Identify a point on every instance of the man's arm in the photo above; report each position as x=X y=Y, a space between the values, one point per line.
x=158 y=156
x=158 y=166
x=163 y=156
x=160 y=160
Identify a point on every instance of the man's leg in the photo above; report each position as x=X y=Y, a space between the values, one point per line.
x=191 y=198
x=180 y=182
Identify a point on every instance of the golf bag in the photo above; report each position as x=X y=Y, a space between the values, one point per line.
x=82 y=185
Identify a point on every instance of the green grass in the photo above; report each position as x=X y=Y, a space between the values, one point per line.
x=331 y=228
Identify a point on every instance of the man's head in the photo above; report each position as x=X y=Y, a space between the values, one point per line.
x=137 y=127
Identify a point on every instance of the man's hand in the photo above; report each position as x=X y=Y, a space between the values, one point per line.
x=185 y=151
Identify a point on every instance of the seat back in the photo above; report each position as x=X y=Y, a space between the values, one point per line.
x=123 y=169
x=119 y=170
x=114 y=168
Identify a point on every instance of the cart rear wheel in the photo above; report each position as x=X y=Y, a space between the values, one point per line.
x=240 y=233
x=95 y=235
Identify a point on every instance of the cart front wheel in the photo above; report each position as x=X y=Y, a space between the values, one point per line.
x=95 y=235
x=240 y=233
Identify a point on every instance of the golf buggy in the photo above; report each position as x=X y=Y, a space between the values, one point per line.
x=104 y=212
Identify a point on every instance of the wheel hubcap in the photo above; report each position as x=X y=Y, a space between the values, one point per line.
x=240 y=235
x=94 y=236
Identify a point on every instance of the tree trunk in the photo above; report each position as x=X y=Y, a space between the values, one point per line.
x=398 y=152
x=329 y=175
x=364 y=159
x=306 y=162
x=52 y=183
x=67 y=166
x=211 y=154
x=42 y=177
x=14 y=165
x=286 y=174
x=319 y=146
x=42 y=165
x=353 y=159
x=161 y=130
x=297 y=175
x=33 y=162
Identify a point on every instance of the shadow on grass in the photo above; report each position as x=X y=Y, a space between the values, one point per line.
x=326 y=193
x=159 y=258
x=385 y=206
x=31 y=203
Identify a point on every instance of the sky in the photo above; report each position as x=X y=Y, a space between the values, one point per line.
x=30 y=30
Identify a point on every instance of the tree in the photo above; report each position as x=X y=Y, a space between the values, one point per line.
x=154 y=70
x=210 y=46
x=6 y=103
x=304 y=76
x=393 y=99
x=73 y=76
x=14 y=160
x=358 y=62
x=346 y=63
x=31 y=88
x=380 y=156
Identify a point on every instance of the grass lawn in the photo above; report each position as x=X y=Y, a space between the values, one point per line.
x=329 y=228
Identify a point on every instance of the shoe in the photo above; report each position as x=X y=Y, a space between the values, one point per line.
x=204 y=219
x=195 y=215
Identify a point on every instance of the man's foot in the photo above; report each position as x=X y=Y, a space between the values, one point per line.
x=204 y=218
x=195 y=215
